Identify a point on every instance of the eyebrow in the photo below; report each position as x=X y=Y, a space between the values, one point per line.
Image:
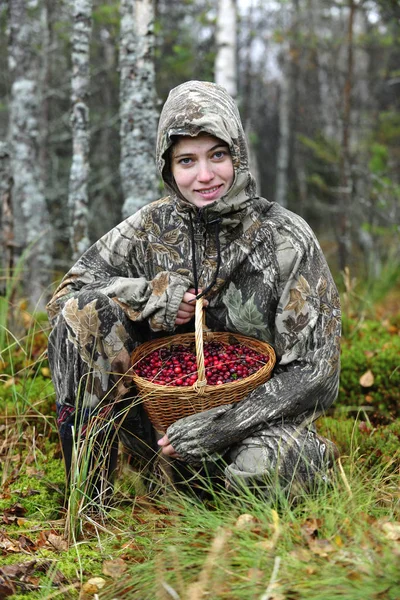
x=221 y=145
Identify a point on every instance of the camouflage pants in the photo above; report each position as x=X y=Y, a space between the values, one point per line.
x=89 y=355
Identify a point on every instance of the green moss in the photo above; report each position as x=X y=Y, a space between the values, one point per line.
x=374 y=348
x=371 y=446
x=39 y=487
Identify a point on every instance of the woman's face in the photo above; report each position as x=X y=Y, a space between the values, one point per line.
x=202 y=168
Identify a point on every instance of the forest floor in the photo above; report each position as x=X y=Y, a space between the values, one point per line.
x=343 y=542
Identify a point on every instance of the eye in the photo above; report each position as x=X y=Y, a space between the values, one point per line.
x=218 y=154
x=185 y=161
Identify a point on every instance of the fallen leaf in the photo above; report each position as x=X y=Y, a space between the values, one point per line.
x=245 y=521
x=45 y=371
x=6 y=589
x=10 y=381
x=114 y=568
x=367 y=380
x=57 y=542
x=301 y=554
x=26 y=544
x=338 y=541
x=363 y=427
x=391 y=530
x=321 y=547
x=310 y=527
x=354 y=575
x=17 y=510
x=93 y=585
x=8 y=545
x=254 y=574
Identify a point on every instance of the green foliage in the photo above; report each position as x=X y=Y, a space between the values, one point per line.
x=107 y=15
x=324 y=149
x=379 y=158
x=389 y=127
x=371 y=347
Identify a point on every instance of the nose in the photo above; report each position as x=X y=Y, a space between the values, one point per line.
x=205 y=172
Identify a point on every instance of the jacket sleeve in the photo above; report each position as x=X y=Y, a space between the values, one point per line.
x=305 y=380
x=116 y=267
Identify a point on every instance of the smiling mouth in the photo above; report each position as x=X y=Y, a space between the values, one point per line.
x=209 y=190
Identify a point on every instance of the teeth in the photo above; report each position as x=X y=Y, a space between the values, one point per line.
x=209 y=191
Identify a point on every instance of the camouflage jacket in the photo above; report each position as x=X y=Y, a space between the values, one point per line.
x=266 y=272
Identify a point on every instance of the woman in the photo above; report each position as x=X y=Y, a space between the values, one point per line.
x=263 y=274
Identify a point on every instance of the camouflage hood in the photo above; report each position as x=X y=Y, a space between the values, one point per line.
x=203 y=107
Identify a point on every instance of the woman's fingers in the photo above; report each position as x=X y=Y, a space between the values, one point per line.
x=187 y=307
x=166 y=448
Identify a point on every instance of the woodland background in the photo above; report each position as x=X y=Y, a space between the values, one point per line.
x=81 y=86
x=82 y=83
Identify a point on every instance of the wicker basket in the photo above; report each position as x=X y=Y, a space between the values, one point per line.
x=166 y=404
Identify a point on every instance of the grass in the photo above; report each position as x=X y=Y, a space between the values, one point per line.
x=343 y=542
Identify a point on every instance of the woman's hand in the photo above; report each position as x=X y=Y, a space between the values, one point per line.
x=166 y=447
x=187 y=307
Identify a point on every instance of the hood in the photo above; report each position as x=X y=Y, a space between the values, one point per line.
x=200 y=106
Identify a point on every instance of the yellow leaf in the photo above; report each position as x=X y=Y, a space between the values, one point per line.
x=338 y=541
x=93 y=585
x=367 y=380
x=45 y=371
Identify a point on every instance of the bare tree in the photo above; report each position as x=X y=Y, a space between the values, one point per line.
x=137 y=104
x=225 y=60
x=78 y=199
x=31 y=229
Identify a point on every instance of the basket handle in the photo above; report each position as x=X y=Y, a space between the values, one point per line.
x=200 y=325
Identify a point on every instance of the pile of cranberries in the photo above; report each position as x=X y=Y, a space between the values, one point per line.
x=224 y=363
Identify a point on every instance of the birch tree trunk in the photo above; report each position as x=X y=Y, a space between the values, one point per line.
x=225 y=60
x=138 y=113
x=343 y=225
x=7 y=229
x=78 y=199
x=282 y=162
x=31 y=219
x=288 y=90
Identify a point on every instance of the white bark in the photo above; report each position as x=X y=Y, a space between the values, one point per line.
x=226 y=36
x=7 y=229
x=137 y=105
x=32 y=230
x=78 y=199
x=282 y=163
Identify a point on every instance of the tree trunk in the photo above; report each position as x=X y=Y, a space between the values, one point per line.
x=288 y=89
x=137 y=105
x=225 y=60
x=282 y=161
x=7 y=226
x=32 y=231
x=343 y=229
x=78 y=199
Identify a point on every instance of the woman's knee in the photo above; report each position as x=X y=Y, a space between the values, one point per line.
x=282 y=454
